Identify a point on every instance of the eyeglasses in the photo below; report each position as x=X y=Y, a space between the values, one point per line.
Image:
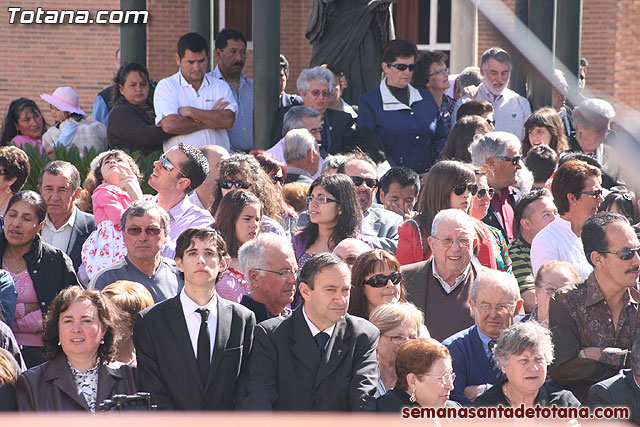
x=483 y=192
x=501 y=309
x=234 y=52
x=492 y=122
x=149 y=231
x=595 y=193
x=445 y=379
x=624 y=255
x=442 y=72
x=459 y=189
x=380 y=280
x=399 y=339
x=277 y=178
x=402 y=67
x=323 y=200
x=369 y=182
x=168 y=166
x=549 y=290
x=317 y=92
x=283 y=274
x=514 y=160
x=228 y=185
x=447 y=242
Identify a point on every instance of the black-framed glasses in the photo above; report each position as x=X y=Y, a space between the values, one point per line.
x=369 y=182
x=380 y=280
x=284 y=274
x=459 y=189
x=323 y=200
x=483 y=192
x=228 y=185
x=514 y=160
x=492 y=122
x=149 y=231
x=402 y=67
x=168 y=166
x=624 y=255
x=277 y=178
x=595 y=193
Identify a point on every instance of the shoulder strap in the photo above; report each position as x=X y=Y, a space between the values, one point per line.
x=415 y=224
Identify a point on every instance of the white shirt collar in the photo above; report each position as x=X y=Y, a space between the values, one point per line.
x=70 y=221
x=391 y=103
x=447 y=288
x=184 y=83
x=314 y=329
x=189 y=306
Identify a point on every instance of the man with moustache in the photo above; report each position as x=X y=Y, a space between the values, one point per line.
x=319 y=358
x=511 y=110
x=594 y=323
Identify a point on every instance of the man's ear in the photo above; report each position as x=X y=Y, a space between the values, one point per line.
x=596 y=258
x=253 y=275
x=179 y=264
x=305 y=290
x=381 y=196
x=183 y=183
x=178 y=59
x=491 y=162
x=525 y=224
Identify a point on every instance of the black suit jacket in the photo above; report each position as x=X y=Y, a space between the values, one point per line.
x=619 y=390
x=287 y=373
x=167 y=365
x=83 y=226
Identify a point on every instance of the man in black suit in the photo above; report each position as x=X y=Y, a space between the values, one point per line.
x=193 y=349
x=318 y=358
x=65 y=226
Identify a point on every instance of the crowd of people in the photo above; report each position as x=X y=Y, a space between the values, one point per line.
x=436 y=245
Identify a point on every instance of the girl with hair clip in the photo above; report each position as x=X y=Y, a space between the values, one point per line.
x=110 y=188
x=238 y=221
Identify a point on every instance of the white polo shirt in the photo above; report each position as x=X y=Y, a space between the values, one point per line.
x=175 y=92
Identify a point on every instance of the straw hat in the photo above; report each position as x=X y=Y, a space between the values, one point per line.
x=64 y=99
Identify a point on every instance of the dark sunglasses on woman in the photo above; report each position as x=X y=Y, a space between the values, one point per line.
x=228 y=185
x=380 y=280
x=277 y=178
x=461 y=188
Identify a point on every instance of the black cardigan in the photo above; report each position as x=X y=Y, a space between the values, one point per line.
x=546 y=397
x=130 y=127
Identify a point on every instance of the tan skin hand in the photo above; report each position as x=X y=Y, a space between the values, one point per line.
x=30 y=307
x=404 y=211
x=593 y=353
x=129 y=183
x=220 y=104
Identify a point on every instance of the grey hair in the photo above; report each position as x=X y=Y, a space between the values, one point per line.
x=293 y=117
x=522 y=336
x=635 y=356
x=496 y=53
x=253 y=254
x=60 y=167
x=142 y=207
x=456 y=215
x=524 y=179
x=492 y=144
x=297 y=143
x=313 y=74
x=507 y=281
x=333 y=161
x=592 y=110
x=386 y=317
x=470 y=76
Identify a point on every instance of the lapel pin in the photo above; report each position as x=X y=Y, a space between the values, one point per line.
x=339 y=352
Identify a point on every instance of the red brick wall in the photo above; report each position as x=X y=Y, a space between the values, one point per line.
x=169 y=19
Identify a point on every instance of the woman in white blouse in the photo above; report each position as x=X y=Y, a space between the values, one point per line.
x=577 y=193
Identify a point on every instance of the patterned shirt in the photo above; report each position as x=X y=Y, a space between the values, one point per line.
x=87 y=383
x=520 y=252
x=446 y=111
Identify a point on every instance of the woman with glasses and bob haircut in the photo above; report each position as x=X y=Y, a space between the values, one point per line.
x=405 y=117
x=424 y=377
x=334 y=215
x=577 y=193
x=524 y=351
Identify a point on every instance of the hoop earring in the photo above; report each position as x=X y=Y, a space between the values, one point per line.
x=412 y=398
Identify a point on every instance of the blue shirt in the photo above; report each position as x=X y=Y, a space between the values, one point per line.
x=241 y=134
x=485 y=343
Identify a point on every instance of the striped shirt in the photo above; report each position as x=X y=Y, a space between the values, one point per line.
x=520 y=253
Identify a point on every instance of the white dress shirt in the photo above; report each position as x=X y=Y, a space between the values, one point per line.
x=193 y=319
x=314 y=329
x=58 y=237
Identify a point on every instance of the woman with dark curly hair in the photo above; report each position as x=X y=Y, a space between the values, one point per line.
x=334 y=215
x=80 y=335
x=14 y=169
x=24 y=124
x=544 y=127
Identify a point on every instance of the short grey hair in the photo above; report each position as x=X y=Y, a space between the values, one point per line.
x=141 y=208
x=386 y=317
x=293 y=117
x=456 y=215
x=314 y=74
x=592 y=110
x=506 y=281
x=635 y=356
x=496 y=53
x=60 y=167
x=253 y=254
x=297 y=143
x=492 y=144
x=333 y=161
x=519 y=337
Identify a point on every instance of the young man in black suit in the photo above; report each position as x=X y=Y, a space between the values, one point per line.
x=193 y=349
x=319 y=358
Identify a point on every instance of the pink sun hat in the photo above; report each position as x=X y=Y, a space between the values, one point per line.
x=64 y=99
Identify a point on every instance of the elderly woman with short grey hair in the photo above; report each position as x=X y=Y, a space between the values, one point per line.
x=524 y=351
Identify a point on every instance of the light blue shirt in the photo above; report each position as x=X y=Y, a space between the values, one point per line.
x=485 y=343
x=241 y=134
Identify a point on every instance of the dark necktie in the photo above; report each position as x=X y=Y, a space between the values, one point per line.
x=321 y=340
x=204 y=344
x=494 y=363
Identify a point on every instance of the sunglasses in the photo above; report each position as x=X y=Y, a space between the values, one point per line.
x=316 y=93
x=380 y=280
x=514 y=160
x=483 y=192
x=461 y=188
x=322 y=200
x=595 y=193
x=149 y=231
x=402 y=67
x=624 y=255
x=369 y=182
x=168 y=166
x=277 y=178
x=228 y=185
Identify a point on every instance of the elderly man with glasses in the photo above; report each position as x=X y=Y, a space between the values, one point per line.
x=494 y=300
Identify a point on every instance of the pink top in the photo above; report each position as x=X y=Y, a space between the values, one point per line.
x=27 y=328
x=109 y=202
x=21 y=141
x=233 y=285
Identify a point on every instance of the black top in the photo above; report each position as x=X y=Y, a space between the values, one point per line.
x=396 y=399
x=546 y=397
